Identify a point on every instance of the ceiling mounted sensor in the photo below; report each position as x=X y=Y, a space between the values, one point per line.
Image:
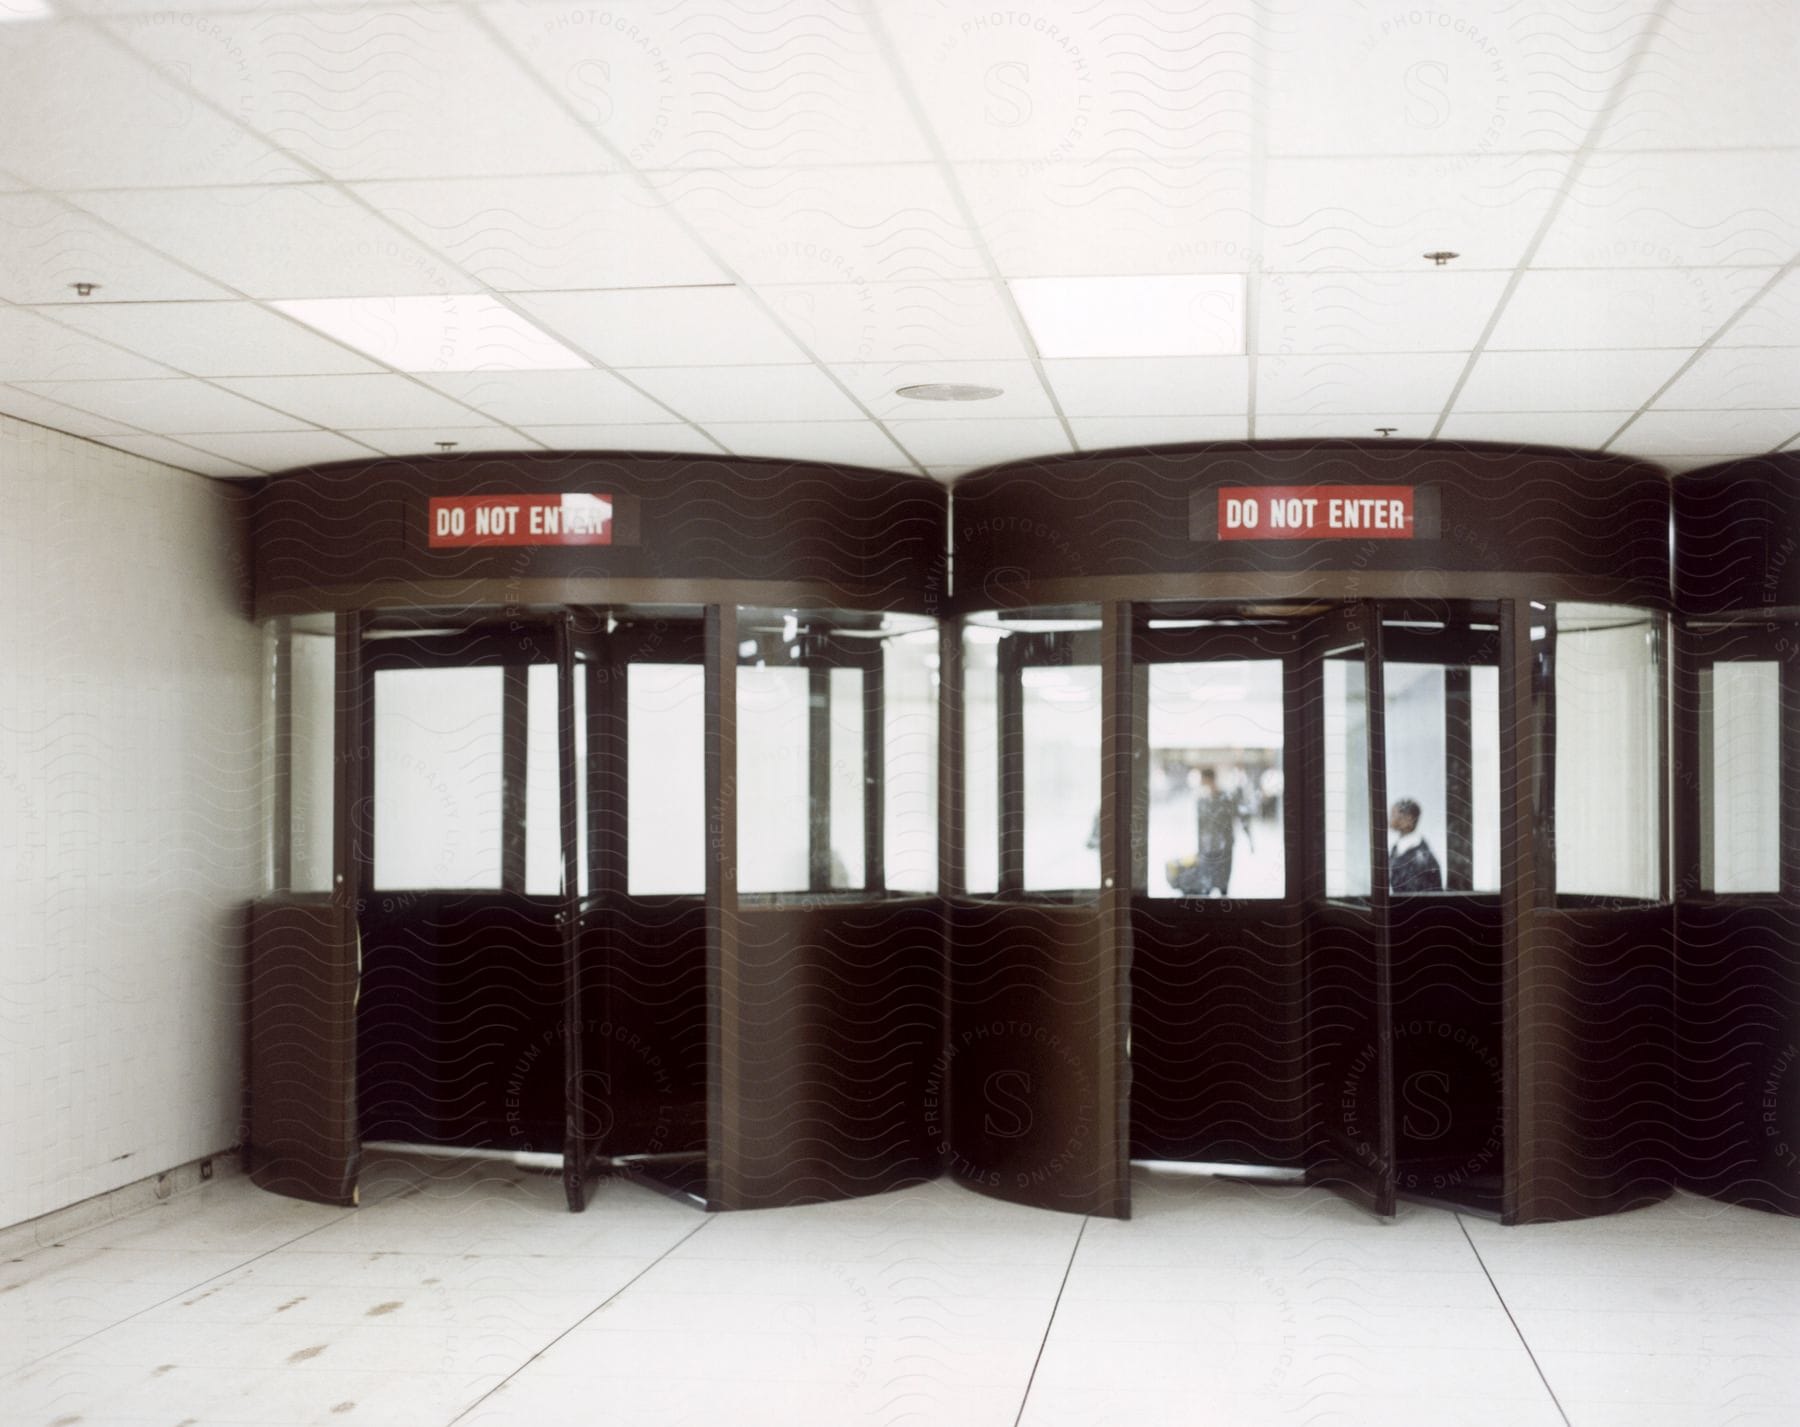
x=82 y=289
x=947 y=391
x=1441 y=256
x=1184 y=315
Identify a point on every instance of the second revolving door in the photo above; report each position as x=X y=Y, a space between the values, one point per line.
x=1302 y=895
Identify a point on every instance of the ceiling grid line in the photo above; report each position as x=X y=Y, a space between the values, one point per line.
x=346 y=192
x=1698 y=352
x=953 y=183
x=1596 y=127
x=505 y=46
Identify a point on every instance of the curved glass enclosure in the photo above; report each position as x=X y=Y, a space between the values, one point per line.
x=1296 y=858
x=579 y=856
x=1736 y=808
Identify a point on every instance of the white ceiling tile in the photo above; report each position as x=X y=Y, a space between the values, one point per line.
x=41 y=411
x=166 y=406
x=547 y=233
x=76 y=111
x=1172 y=315
x=375 y=402
x=1431 y=310
x=370 y=91
x=281 y=450
x=1363 y=425
x=1151 y=386
x=46 y=247
x=898 y=321
x=1119 y=215
x=670 y=326
x=1773 y=320
x=1097 y=433
x=876 y=385
x=1567 y=381
x=1588 y=429
x=1075 y=81
x=856 y=443
x=446 y=332
x=33 y=348
x=625 y=436
x=1678 y=210
x=1379 y=214
x=730 y=83
x=214 y=339
x=1736 y=433
x=1627 y=307
x=1716 y=74
x=946 y=474
x=947 y=443
x=1729 y=378
x=1487 y=76
x=1396 y=384
x=755 y=394
x=549 y=398
x=183 y=458
x=886 y=224
x=290 y=240
x=428 y=440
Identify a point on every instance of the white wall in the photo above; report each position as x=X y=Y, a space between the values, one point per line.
x=128 y=817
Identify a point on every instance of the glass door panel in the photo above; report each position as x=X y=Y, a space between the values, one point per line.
x=1213 y=788
x=1349 y=963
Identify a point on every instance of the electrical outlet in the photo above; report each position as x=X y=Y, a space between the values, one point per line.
x=205 y=1170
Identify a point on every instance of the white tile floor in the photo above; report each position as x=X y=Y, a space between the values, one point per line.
x=467 y=1295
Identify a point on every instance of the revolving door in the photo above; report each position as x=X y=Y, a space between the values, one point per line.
x=625 y=869
x=1280 y=954
x=1295 y=859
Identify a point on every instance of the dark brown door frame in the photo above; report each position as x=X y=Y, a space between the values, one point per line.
x=1357 y=626
x=1118 y=727
x=1524 y=807
x=724 y=1098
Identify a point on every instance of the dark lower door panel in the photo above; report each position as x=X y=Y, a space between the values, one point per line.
x=1218 y=1070
x=1033 y=1007
x=301 y=1050
x=461 y=1020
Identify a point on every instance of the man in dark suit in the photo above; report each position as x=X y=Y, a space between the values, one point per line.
x=1218 y=814
x=1412 y=866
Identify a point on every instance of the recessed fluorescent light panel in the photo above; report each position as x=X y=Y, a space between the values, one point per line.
x=1199 y=315
x=447 y=333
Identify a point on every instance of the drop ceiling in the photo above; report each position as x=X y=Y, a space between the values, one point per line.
x=324 y=231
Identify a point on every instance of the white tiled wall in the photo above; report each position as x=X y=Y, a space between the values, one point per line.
x=127 y=816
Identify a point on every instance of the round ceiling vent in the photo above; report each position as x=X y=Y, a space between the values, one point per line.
x=948 y=391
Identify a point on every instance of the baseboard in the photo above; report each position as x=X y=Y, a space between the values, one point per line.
x=152 y=1189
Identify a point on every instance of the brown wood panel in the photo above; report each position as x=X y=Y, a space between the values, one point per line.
x=301 y=1066
x=1737 y=536
x=835 y=1032
x=1218 y=1067
x=1738 y=1081
x=1117 y=523
x=1594 y=1004
x=1449 y=1056
x=354 y=535
x=462 y=1019
x=1033 y=1119
x=644 y=1025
